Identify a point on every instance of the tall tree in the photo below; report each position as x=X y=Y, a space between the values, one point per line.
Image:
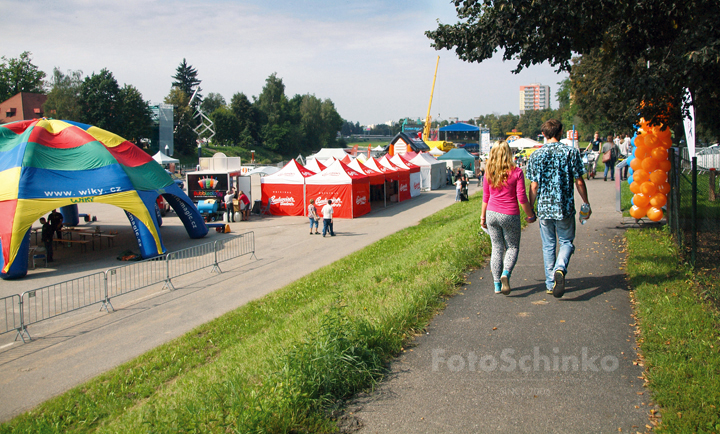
x=656 y=48
x=274 y=110
x=63 y=95
x=19 y=75
x=135 y=116
x=186 y=80
x=98 y=101
x=212 y=102
x=332 y=122
x=184 y=137
x=227 y=126
x=248 y=117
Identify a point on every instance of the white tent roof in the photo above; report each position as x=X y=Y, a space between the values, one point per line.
x=378 y=148
x=292 y=173
x=312 y=164
x=264 y=170
x=164 y=159
x=523 y=143
x=435 y=151
x=425 y=160
x=327 y=153
x=337 y=173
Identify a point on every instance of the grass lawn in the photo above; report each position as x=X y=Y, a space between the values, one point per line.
x=680 y=339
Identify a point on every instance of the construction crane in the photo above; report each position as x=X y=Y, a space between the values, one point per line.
x=426 y=128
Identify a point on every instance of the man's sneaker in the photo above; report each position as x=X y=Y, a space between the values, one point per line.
x=505 y=282
x=559 y=285
x=548 y=291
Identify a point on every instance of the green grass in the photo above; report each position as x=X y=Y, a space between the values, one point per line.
x=285 y=362
x=679 y=339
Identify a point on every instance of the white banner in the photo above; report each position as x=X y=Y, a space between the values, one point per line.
x=689 y=123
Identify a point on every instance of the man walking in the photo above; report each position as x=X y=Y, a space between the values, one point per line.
x=552 y=171
x=327 y=212
x=229 y=207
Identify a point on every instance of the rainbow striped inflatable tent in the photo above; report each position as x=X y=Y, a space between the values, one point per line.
x=48 y=164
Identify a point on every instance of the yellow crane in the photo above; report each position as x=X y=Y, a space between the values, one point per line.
x=442 y=145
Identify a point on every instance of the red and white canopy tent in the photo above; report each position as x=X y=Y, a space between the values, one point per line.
x=415 y=176
x=375 y=177
x=347 y=159
x=348 y=188
x=315 y=165
x=403 y=189
x=286 y=190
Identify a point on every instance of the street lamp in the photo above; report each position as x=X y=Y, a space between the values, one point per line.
x=167 y=150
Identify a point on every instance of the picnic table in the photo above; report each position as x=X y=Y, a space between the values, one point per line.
x=99 y=234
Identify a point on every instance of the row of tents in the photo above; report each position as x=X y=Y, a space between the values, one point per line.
x=351 y=184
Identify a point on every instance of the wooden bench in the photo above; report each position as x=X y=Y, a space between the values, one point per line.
x=83 y=243
x=93 y=235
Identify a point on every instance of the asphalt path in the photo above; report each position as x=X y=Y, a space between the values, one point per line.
x=527 y=362
x=73 y=348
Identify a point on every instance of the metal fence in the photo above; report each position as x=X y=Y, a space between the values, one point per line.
x=21 y=310
x=694 y=208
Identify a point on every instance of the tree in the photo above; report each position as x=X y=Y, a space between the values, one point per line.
x=274 y=110
x=184 y=137
x=212 y=102
x=134 y=115
x=186 y=80
x=19 y=75
x=530 y=122
x=227 y=126
x=98 y=101
x=63 y=95
x=248 y=117
x=653 y=49
x=332 y=122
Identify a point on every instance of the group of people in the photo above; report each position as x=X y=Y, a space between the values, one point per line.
x=53 y=224
x=554 y=171
x=461 y=186
x=327 y=213
x=240 y=199
x=612 y=150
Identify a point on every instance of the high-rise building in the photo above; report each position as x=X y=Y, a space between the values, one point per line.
x=534 y=97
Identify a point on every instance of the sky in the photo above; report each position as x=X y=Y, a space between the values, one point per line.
x=370 y=57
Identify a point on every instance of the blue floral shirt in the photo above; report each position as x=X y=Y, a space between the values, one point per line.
x=555 y=167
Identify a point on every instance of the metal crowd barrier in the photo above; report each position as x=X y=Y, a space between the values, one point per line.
x=19 y=311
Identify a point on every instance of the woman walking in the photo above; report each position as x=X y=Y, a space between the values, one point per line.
x=313 y=216
x=503 y=188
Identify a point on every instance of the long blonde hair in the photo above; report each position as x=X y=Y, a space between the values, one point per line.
x=499 y=164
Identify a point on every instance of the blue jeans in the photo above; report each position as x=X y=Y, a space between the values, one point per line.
x=315 y=223
x=610 y=166
x=552 y=233
x=328 y=227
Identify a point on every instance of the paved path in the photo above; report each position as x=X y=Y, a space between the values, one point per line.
x=491 y=363
x=73 y=348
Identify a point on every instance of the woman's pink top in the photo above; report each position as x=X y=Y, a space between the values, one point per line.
x=505 y=199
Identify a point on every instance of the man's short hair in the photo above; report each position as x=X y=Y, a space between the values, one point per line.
x=552 y=128
x=329 y=202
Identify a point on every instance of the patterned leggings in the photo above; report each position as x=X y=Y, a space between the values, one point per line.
x=504 y=233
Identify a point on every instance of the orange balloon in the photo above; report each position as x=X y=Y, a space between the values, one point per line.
x=638 y=212
x=662 y=134
x=636 y=163
x=665 y=165
x=635 y=187
x=640 y=200
x=649 y=164
x=641 y=152
x=648 y=189
x=640 y=140
x=654 y=214
x=665 y=143
x=641 y=175
x=651 y=141
x=658 y=200
x=657 y=177
x=664 y=188
x=659 y=154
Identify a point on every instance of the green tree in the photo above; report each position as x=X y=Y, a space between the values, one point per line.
x=184 y=137
x=62 y=101
x=186 y=80
x=273 y=107
x=98 y=101
x=134 y=115
x=652 y=50
x=332 y=123
x=248 y=116
x=227 y=126
x=212 y=102
x=19 y=75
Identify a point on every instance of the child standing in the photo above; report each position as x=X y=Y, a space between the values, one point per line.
x=503 y=188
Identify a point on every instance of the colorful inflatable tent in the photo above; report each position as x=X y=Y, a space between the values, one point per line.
x=348 y=189
x=48 y=164
x=285 y=190
x=403 y=143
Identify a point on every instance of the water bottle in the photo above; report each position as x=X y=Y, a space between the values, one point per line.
x=584 y=213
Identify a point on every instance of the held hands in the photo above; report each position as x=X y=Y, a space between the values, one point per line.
x=532 y=219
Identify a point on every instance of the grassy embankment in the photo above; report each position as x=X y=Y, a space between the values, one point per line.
x=284 y=362
x=679 y=337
